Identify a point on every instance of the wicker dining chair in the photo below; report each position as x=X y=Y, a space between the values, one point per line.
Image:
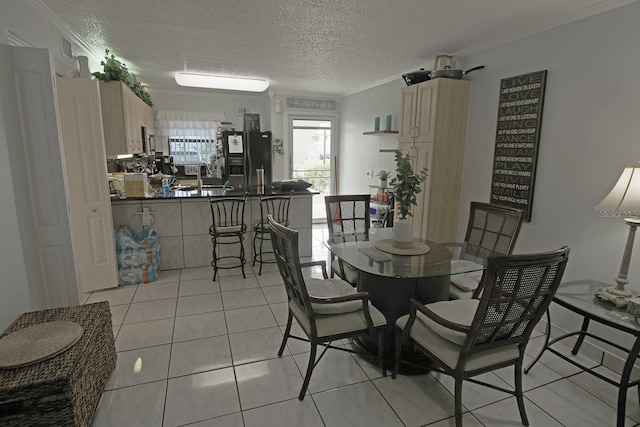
x=468 y=337
x=348 y=220
x=491 y=227
x=326 y=310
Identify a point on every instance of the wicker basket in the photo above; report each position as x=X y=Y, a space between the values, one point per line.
x=64 y=389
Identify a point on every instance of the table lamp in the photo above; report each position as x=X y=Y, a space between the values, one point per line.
x=623 y=200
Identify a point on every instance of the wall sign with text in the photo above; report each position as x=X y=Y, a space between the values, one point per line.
x=517 y=139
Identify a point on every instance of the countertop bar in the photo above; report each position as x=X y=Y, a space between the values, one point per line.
x=253 y=191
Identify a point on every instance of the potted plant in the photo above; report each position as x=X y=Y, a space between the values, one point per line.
x=112 y=69
x=407 y=185
x=384 y=176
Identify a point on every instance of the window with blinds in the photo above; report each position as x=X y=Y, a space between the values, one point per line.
x=192 y=150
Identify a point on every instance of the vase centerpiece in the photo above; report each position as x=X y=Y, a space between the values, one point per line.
x=407 y=184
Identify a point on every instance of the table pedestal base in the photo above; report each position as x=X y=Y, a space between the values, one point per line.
x=392 y=297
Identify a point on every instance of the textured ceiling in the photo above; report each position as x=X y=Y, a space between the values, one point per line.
x=330 y=47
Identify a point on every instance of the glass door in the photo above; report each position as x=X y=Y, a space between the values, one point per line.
x=311 y=157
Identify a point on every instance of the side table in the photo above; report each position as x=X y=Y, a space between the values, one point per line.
x=579 y=297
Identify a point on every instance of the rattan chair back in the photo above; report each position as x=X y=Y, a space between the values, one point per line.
x=517 y=289
x=493 y=227
x=348 y=217
x=285 y=247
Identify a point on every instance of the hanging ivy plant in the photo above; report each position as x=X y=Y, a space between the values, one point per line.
x=112 y=69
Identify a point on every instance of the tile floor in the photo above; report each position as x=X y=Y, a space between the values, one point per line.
x=202 y=353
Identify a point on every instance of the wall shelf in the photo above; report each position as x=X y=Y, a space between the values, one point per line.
x=380 y=132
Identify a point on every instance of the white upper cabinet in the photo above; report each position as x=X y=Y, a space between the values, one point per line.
x=438 y=109
x=123 y=115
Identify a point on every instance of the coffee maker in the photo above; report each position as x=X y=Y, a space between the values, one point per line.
x=164 y=164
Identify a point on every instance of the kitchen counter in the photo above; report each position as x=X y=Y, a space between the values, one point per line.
x=182 y=222
x=215 y=191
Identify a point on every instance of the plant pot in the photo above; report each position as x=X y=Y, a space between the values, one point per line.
x=403 y=233
x=383 y=183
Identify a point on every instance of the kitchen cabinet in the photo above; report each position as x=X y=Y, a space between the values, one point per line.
x=418 y=112
x=123 y=115
x=146 y=117
x=438 y=108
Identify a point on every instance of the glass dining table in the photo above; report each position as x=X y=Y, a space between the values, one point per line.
x=392 y=280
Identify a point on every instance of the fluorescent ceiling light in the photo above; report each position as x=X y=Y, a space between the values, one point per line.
x=219 y=82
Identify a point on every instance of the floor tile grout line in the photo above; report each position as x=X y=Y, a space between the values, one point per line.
x=173 y=329
x=129 y=307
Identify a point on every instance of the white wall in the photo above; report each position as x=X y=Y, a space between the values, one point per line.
x=15 y=296
x=590 y=131
x=196 y=101
x=20 y=288
x=359 y=153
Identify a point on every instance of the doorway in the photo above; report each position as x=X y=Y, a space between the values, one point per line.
x=311 y=157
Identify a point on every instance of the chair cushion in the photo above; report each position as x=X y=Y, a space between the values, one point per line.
x=332 y=288
x=351 y=273
x=328 y=325
x=465 y=281
x=229 y=229
x=457 y=293
x=458 y=311
x=449 y=353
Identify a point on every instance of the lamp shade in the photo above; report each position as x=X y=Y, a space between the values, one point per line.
x=624 y=197
x=221 y=82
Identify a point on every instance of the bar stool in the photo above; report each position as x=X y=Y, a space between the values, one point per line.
x=278 y=207
x=227 y=228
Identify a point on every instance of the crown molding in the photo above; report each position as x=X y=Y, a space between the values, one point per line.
x=64 y=28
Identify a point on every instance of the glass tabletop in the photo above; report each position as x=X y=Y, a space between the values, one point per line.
x=365 y=256
x=579 y=296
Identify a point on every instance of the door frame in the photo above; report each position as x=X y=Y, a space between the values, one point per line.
x=289 y=118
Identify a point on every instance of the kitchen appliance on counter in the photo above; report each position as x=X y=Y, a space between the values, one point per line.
x=245 y=153
x=164 y=164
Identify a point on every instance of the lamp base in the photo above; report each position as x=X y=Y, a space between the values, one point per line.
x=619 y=297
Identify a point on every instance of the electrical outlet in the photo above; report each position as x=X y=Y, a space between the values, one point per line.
x=369 y=173
x=147 y=218
x=191 y=170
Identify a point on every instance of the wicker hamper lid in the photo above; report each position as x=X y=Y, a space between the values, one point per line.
x=37 y=342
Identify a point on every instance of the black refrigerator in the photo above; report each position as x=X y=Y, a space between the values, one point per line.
x=258 y=156
x=243 y=159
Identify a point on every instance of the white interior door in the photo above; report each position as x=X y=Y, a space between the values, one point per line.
x=89 y=200
x=39 y=179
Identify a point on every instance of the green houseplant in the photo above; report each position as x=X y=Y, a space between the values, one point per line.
x=384 y=176
x=112 y=69
x=407 y=184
